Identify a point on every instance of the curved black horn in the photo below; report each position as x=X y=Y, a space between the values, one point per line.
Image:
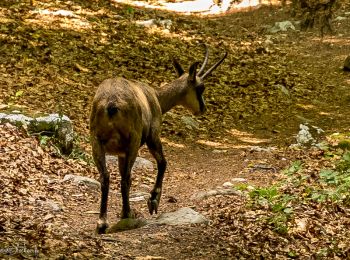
x=214 y=67
x=192 y=73
x=205 y=61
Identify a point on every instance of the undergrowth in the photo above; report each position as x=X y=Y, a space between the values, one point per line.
x=328 y=187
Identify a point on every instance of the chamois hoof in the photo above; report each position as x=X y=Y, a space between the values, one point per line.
x=152 y=206
x=101 y=228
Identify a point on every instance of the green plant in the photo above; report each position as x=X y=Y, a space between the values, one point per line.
x=279 y=223
x=44 y=139
x=278 y=203
x=295 y=167
x=334 y=184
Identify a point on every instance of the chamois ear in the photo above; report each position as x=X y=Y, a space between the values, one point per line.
x=192 y=72
x=180 y=71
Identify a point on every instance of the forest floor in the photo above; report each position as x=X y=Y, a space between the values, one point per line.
x=52 y=61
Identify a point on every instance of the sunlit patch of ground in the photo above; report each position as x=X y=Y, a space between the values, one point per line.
x=61 y=19
x=203 y=7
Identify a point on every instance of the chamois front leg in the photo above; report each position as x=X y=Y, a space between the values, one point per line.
x=125 y=166
x=156 y=149
x=99 y=156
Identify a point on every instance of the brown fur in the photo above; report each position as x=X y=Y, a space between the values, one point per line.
x=135 y=102
x=126 y=114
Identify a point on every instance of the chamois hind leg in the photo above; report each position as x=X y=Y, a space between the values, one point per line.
x=156 y=149
x=99 y=156
x=125 y=165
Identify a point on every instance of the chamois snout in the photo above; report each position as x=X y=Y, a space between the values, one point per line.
x=193 y=100
x=202 y=106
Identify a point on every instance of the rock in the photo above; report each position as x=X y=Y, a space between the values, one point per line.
x=205 y=194
x=238 y=180
x=111 y=159
x=182 y=216
x=139 y=196
x=140 y=163
x=347 y=64
x=50 y=204
x=190 y=123
x=227 y=185
x=145 y=187
x=48 y=217
x=58 y=13
x=262 y=149
x=340 y=18
x=146 y=23
x=143 y=164
x=219 y=151
x=15 y=119
x=304 y=136
x=268 y=41
x=250 y=188
x=307 y=135
x=301 y=225
x=82 y=180
x=166 y=23
x=282 y=26
x=283 y=89
x=60 y=126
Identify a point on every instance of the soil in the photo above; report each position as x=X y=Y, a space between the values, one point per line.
x=242 y=115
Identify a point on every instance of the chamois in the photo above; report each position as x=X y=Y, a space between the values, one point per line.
x=126 y=114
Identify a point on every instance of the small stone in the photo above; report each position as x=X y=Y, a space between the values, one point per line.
x=282 y=26
x=53 y=205
x=82 y=180
x=190 y=123
x=250 y=188
x=340 y=18
x=48 y=217
x=304 y=136
x=143 y=164
x=262 y=149
x=139 y=196
x=205 y=194
x=140 y=163
x=268 y=42
x=219 y=151
x=238 y=180
x=180 y=217
x=227 y=184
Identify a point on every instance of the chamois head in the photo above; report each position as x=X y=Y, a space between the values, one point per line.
x=194 y=82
